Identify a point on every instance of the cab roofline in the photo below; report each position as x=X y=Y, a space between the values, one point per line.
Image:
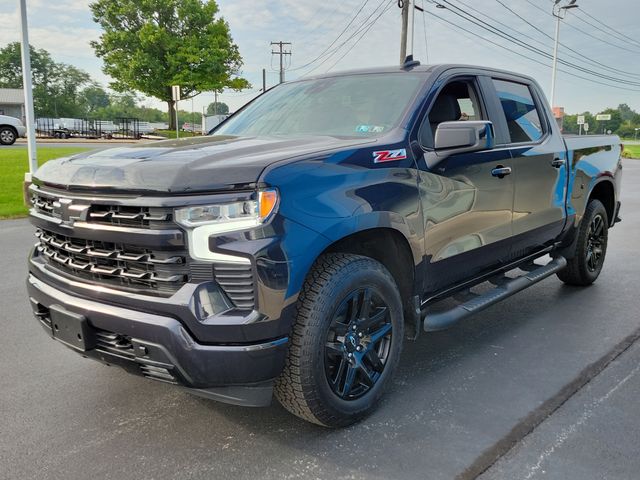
x=437 y=68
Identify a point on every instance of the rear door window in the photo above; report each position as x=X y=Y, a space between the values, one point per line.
x=523 y=119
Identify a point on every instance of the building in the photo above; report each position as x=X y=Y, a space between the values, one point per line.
x=12 y=103
x=558 y=114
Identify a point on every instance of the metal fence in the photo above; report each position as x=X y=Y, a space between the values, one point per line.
x=62 y=128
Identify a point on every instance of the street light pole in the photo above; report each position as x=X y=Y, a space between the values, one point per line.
x=28 y=92
x=560 y=13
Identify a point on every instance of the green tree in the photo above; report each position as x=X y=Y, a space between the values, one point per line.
x=626 y=113
x=94 y=97
x=150 y=45
x=613 y=124
x=56 y=86
x=221 y=109
x=42 y=65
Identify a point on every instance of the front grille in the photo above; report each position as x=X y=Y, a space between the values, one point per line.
x=114 y=344
x=114 y=264
x=122 y=346
x=137 y=217
x=160 y=270
x=237 y=283
x=42 y=203
x=107 y=214
x=158 y=373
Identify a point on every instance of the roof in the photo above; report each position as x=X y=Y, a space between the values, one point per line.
x=11 y=96
x=427 y=69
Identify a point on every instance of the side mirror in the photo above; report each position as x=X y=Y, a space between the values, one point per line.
x=463 y=137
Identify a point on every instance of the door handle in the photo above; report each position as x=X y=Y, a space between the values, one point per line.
x=557 y=162
x=501 y=171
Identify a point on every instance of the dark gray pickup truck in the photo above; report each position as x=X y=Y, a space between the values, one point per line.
x=293 y=249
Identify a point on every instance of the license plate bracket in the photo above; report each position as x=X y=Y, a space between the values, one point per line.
x=72 y=329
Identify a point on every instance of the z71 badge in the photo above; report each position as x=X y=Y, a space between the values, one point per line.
x=389 y=155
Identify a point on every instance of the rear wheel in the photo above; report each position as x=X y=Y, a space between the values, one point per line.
x=8 y=136
x=346 y=341
x=591 y=247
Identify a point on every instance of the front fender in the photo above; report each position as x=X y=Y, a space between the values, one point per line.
x=343 y=195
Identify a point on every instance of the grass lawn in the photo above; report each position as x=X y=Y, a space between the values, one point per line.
x=13 y=165
x=632 y=151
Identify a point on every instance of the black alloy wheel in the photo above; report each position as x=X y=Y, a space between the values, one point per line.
x=358 y=344
x=345 y=343
x=586 y=257
x=595 y=243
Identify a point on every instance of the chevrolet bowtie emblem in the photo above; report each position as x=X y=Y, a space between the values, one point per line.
x=68 y=212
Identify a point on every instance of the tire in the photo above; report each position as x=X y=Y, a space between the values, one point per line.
x=8 y=136
x=591 y=247
x=331 y=375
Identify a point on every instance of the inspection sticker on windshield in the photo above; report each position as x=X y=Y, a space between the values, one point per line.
x=389 y=155
x=369 y=129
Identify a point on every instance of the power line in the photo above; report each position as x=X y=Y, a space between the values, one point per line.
x=344 y=30
x=362 y=36
x=619 y=35
x=353 y=35
x=603 y=40
x=496 y=31
x=577 y=55
x=477 y=36
x=588 y=34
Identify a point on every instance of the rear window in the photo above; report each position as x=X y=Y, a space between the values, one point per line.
x=523 y=118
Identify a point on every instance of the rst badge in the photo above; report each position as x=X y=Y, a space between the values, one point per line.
x=389 y=155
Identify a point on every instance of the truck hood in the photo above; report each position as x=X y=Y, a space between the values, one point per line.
x=183 y=166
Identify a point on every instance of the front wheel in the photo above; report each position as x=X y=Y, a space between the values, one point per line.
x=591 y=247
x=346 y=341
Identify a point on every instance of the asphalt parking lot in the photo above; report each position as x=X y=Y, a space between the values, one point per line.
x=544 y=385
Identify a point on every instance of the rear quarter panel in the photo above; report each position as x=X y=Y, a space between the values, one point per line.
x=592 y=159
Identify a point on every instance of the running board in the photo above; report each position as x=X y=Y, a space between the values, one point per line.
x=507 y=287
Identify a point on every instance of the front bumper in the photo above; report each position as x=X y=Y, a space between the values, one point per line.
x=160 y=348
x=22 y=131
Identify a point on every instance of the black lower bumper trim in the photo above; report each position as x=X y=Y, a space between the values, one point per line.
x=258 y=395
x=159 y=348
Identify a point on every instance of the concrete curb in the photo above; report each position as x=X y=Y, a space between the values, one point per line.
x=537 y=416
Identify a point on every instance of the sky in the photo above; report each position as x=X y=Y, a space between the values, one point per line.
x=65 y=28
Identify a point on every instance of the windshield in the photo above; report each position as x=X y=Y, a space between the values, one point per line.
x=349 y=106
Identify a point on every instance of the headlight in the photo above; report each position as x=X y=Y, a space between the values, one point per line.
x=202 y=221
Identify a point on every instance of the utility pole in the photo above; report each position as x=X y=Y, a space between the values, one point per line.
x=28 y=93
x=560 y=13
x=403 y=34
x=281 y=53
x=264 y=80
x=406 y=38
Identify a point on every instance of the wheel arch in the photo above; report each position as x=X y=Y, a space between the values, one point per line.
x=10 y=127
x=377 y=243
x=604 y=191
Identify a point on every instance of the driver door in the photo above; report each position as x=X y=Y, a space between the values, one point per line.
x=467 y=209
